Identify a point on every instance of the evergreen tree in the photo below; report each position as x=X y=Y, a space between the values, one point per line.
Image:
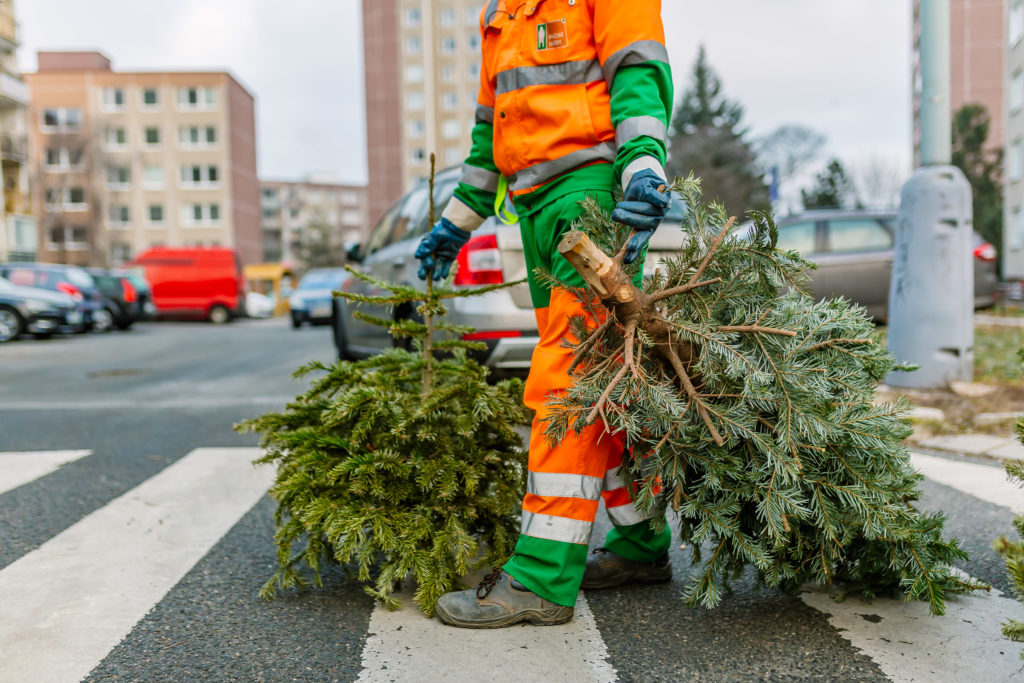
x=832 y=189
x=403 y=463
x=1013 y=551
x=983 y=168
x=707 y=139
x=752 y=415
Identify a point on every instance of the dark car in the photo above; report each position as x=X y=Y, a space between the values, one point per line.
x=37 y=311
x=137 y=276
x=311 y=302
x=120 y=297
x=70 y=280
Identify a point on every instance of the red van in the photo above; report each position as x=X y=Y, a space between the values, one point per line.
x=204 y=282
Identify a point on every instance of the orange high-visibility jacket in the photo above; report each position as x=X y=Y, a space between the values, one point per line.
x=565 y=83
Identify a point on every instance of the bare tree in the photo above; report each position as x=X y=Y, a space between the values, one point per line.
x=878 y=180
x=789 y=148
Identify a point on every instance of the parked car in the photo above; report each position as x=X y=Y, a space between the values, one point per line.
x=137 y=276
x=202 y=282
x=120 y=297
x=503 y=320
x=311 y=300
x=70 y=280
x=258 y=305
x=36 y=311
x=854 y=253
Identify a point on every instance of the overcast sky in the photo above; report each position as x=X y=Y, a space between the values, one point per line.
x=840 y=67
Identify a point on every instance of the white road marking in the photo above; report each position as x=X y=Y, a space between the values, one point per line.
x=986 y=482
x=404 y=645
x=17 y=469
x=147 y=404
x=65 y=605
x=967 y=643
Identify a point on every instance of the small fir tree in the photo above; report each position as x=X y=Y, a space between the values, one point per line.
x=404 y=463
x=832 y=189
x=1013 y=551
x=751 y=414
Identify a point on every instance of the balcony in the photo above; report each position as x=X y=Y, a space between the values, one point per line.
x=13 y=91
x=22 y=240
x=13 y=148
x=8 y=31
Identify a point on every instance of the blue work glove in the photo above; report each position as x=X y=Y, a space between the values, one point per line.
x=439 y=248
x=643 y=209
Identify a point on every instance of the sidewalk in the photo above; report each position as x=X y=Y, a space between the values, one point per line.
x=1004 y=320
x=979 y=445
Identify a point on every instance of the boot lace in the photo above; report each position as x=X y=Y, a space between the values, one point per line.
x=488 y=583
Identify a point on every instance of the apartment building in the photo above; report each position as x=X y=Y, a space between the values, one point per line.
x=18 y=239
x=977 y=53
x=1013 y=159
x=422 y=74
x=129 y=160
x=313 y=215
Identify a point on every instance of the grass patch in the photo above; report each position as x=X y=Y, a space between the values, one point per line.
x=995 y=354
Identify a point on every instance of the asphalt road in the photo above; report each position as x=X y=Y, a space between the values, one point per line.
x=143 y=400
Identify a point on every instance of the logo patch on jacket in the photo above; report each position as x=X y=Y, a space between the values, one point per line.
x=552 y=35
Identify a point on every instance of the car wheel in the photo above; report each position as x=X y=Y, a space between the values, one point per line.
x=219 y=315
x=11 y=324
x=296 y=322
x=102 y=320
x=125 y=324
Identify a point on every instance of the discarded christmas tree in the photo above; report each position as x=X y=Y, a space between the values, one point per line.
x=752 y=414
x=406 y=463
x=1013 y=551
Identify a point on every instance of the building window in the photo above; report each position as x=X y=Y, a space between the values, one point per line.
x=115 y=137
x=413 y=45
x=447 y=17
x=1015 y=24
x=63 y=158
x=414 y=73
x=194 y=175
x=197 y=136
x=156 y=213
x=414 y=101
x=450 y=101
x=451 y=129
x=153 y=177
x=474 y=71
x=62 y=120
x=417 y=155
x=447 y=74
x=1017 y=91
x=75 y=198
x=119 y=178
x=120 y=214
x=152 y=136
x=150 y=98
x=113 y=99
x=472 y=16
x=1015 y=160
x=349 y=197
x=474 y=42
x=449 y=46
x=452 y=156
x=199 y=215
x=120 y=253
x=67 y=198
x=412 y=17
x=70 y=238
x=415 y=128
x=204 y=98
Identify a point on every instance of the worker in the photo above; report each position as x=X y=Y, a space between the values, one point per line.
x=574 y=102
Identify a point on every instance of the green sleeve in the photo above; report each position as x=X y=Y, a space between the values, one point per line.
x=478 y=185
x=641 y=104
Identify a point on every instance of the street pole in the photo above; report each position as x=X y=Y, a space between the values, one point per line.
x=931 y=293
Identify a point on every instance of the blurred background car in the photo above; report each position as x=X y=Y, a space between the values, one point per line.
x=70 y=280
x=854 y=254
x=36 y=311
x=120 y=298
x=503 y=320
x=194 y=282
x=258 y=305
x=137 y=276
x=311 y=300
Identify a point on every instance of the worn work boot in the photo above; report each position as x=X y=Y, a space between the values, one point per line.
x=497 y=602
x=605 y=569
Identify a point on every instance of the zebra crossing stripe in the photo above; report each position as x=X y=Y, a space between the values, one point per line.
x=65 y=605
x=17 y=469
x=964 y=645
x=404 y=645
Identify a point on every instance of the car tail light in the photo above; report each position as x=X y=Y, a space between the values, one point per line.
x=69 y=289
x=985 y=252
x=130 y=295
x=492 y=334
x=480 y=262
